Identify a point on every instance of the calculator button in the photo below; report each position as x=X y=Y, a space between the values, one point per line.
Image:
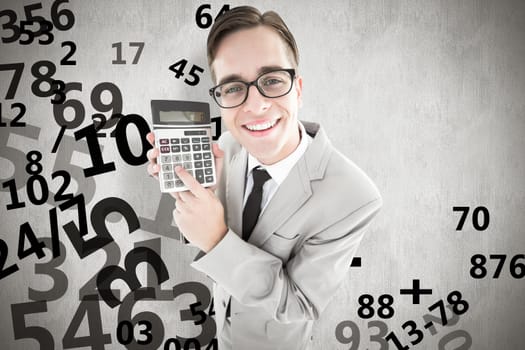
x=186 y=157
x=186 y=148
x=207 y=163
x=198 y=164
x=176 y=165
x=179 y=183
x=169 y=184
x=185 y=140
x=208 y=171
x=209 y=178
x=195 y=140
x=196 y=148
x=199 y=175
x=175 y=149
x=175 y=141
x=206 y=147
x=165 y=159
x=187 y=165
x=168 y=176
x=164 y=149
x=206 y=155
x=164 y=141
x=205 y=139
x=166 y=167
x=177 y=158
x=197 y=156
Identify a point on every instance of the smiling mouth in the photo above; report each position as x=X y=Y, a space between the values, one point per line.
x=261 y=126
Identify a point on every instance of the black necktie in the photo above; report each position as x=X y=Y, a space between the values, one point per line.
x=252 y=208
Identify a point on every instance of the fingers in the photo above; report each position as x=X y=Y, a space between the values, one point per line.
x=153 y=168
x=152 y=154
x=151 y=138
x=193 y=185
x=219 y=160
x=183 y=201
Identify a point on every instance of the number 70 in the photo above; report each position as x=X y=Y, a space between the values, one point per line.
x=478 y=225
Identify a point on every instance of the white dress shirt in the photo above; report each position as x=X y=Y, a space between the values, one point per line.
x=278 y=171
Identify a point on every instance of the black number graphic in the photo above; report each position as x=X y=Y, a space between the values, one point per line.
x=413 y=331
x=178 y=68
x=76 y=105
x=15 y=122
x=355 y=336
x=115 y=105
x=49 y=268
x=121 y=136
x=478 y=269
x=118 y=47
x=99 y=167
x=459 y=306
x=89 y=290
x=72 y=49
x=128 y=338
x=203 y=19
x=14 y=155
x=196 y=314
x=5 y=271
x=96 y=338
x=13 y=85
x=56 y=87
x=128 y=275
x=36 y=247
x=57 y=14
x=367 y=311
x=155 y=333
x=40 y=334
x=475 y=217
x=11 y=25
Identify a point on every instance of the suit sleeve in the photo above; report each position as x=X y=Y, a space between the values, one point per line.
x=300 y=289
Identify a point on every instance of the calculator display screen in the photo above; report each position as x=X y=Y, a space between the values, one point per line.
x=181 y=116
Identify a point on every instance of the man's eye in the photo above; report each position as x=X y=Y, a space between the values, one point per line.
x=233 y=89
x=272 y=81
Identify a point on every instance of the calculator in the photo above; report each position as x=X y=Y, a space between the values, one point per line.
x=183 y=136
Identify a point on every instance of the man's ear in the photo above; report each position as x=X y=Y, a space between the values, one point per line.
x=299 y=88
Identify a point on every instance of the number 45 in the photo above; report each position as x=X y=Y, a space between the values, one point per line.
x=178 y=68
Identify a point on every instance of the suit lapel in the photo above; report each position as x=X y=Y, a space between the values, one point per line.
x=289 y=197
x=235 y=190
x=296 y=188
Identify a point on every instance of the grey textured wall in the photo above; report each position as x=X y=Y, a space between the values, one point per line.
x=426 y=96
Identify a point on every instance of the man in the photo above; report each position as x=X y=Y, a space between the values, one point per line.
x=274 y=277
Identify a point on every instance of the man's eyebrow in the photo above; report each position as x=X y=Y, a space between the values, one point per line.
x=237 y=77
x=228 y=78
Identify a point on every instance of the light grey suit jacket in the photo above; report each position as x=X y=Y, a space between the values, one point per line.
x=299 y=251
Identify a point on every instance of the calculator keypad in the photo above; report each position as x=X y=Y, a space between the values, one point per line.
x=192 y=153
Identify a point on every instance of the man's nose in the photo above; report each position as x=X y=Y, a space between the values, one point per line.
x=255 y=102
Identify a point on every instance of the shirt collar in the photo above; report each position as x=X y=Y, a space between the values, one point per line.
x=278 y=171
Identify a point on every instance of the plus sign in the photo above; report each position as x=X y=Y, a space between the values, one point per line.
x=416 y=291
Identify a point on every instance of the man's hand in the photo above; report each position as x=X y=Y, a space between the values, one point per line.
x=154 y=168
x=198 y=213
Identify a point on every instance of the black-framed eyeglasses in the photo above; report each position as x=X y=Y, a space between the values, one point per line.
x=272 y=84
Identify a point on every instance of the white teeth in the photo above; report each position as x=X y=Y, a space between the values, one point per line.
x=262 y=126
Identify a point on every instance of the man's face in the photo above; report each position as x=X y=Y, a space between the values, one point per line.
x=244 y=55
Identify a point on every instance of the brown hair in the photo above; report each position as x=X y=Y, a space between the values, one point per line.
x=246 y=17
